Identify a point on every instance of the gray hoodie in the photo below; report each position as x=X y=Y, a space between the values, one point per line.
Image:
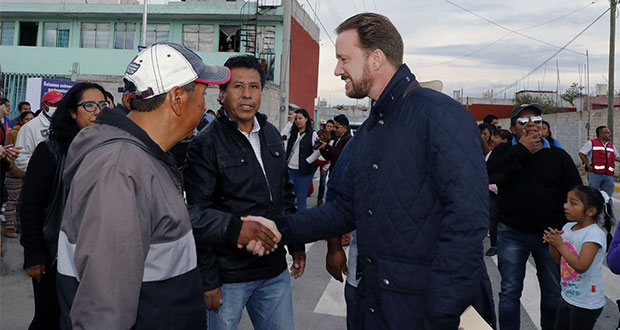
x=126 y=253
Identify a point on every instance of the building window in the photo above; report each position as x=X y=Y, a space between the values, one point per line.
x=229 y=38
x=124 y=34
x=95 y=35
x=198 y=37
x=7 y=33
x=56 y=34
x=157 y=33
x=265 y=39
x=28 y=33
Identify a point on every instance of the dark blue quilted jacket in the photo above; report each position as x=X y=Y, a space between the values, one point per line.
x=416 y=189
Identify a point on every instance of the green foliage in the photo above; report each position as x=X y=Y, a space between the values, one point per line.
x=546 y=103
x=574 y=91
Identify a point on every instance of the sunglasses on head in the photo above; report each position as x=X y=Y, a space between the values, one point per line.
x=524 y=120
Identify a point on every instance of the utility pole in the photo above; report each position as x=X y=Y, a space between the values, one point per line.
x=610 y=87
x=285 y=61
x=588 y=94
x=144 y=19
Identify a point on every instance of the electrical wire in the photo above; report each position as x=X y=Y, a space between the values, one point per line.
x=555 y=54
x=375 y=3
x=354 y=6
x=335 y=9
x=508 y=29
x=560 y=17
x=503 y=37
x=324 y=29
x=466 y=55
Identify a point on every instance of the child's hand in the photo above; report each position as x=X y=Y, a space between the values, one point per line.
x=553 y=237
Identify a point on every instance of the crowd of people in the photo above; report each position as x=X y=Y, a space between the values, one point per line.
x=131 y=218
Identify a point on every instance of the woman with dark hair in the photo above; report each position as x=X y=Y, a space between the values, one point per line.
x=301 y=152
x=546 y=132
x=14 y=181
x=43 y=197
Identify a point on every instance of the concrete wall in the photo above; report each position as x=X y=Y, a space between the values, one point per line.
x=570 y=128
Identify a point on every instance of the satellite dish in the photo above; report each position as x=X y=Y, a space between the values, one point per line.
x=432 y=84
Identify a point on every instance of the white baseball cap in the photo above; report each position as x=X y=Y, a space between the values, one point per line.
x=162 y=66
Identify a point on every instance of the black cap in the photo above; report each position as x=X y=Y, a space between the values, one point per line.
x=533 y=106
x=342 y=120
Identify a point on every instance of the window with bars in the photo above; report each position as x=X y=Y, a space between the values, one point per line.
x=157 y=33
x=264 y=41
x=56 y=34
x=95 y=35
x=7 y=32
x=124 y=34
x=198 y=37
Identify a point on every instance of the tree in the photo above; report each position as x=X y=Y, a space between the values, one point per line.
x=574 y=91
x=546 y=104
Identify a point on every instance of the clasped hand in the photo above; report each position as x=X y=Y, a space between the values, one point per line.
x=553 y=237
x=259 y=235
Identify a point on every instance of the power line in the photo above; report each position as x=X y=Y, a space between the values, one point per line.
x=375 y=3
x=508 y=29
x=333 y=13
x=466 y=55
x=364 y=3
x=324 y=29
x=560 y=17
x=354 y=6
x=503 y=37
x=554 y=54
x=335 y=9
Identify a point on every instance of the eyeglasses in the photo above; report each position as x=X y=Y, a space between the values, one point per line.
x=91 y=106
x=524 y=120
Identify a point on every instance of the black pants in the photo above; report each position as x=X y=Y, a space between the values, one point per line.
x=571 y=317
x=493 y=214
x=46 y=309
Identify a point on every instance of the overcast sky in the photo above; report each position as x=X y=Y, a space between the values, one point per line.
x=448 y=43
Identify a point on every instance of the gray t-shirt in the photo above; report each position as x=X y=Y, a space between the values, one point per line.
x=587 y=150
x=585 y=289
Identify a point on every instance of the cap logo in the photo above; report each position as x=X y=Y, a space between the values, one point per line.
x=132 y=68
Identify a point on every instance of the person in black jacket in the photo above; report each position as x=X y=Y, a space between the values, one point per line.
x=236 y=166
x=43 y=197
x=533 y=179
x=343 y=135
x=301 y=153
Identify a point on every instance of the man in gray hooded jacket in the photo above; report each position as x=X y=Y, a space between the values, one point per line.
x=126 y=252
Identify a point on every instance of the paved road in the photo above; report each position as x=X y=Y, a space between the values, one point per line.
x=318 y=299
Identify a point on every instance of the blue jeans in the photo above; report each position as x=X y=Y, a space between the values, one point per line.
x=302 y=185
x=349 y=297
x=602 y=182
x=513 y=249
x=269 y=304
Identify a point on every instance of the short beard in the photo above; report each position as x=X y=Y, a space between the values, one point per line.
x=360 y=90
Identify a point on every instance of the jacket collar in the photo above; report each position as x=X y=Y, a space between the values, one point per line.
x=117 y=118
x=393 y=91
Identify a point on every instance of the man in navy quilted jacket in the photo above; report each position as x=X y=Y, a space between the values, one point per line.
x=415 y=188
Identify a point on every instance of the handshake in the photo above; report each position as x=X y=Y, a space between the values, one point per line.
x=259 y=235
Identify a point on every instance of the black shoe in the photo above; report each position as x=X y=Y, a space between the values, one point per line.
x=491 y=251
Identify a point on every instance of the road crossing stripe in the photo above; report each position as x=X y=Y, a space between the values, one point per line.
x=530 y=296
x=332 y=300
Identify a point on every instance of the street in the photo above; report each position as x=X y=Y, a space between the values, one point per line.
x=318 y=299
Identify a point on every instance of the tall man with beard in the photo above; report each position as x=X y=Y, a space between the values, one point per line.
x=415 y=187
